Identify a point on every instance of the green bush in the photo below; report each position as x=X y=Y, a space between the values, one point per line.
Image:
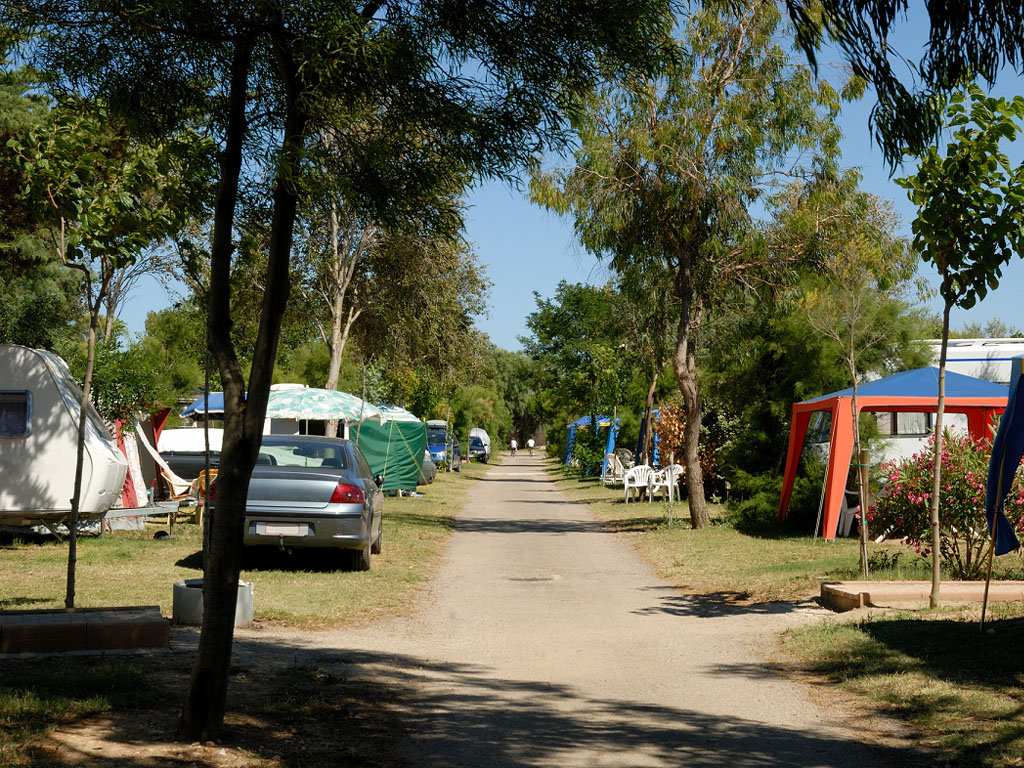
x=753 y=500
x=588 y=451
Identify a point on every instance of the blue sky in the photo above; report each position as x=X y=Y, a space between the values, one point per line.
x=527 y=249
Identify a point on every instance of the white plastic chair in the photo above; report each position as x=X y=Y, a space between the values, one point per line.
x=635 y=478
x=614 y=471
x=666 y=478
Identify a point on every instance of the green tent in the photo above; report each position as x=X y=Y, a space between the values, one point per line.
x=394 y=449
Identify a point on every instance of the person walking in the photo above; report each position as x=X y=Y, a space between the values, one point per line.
x=513 y=446
x=530 y=444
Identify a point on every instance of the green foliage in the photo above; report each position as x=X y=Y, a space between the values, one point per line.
x=517 y=378
x=588 y=451
x=578 y=340
x=38 y=304
x=753 y=501
x=964 y=43
x=22 y=110
x=993 y=328
x=480 y=406
x=175 y=342
x=902 y=510
x=106 y=194
x=970 y=199
x=126 y=380
x=768 y=348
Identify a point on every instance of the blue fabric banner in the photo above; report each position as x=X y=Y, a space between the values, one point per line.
x=1007 y=448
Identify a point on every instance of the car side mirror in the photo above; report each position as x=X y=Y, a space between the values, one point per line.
x=379 y=480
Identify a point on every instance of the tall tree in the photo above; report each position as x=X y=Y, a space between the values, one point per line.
x=105 y=197
x=271 y=79
x=668 y=169
x=970 y=223
x=578 y=339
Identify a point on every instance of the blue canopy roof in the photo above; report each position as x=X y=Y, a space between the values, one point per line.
x=198 y=408
x=602 y=421
x=922 y=382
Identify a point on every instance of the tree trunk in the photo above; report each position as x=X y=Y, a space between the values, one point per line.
x=685 y=362
x=203 y=712
x=862 y=491
x=933 y=596
x=76 y=498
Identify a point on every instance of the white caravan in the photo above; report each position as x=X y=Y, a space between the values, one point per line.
x=989 y=359
x=40 y=403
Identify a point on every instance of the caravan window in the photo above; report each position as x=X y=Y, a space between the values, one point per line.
x=15 y=414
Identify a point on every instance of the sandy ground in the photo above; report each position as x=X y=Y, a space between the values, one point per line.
x=545 y=641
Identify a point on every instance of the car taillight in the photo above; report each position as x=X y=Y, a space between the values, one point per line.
x=347 y=494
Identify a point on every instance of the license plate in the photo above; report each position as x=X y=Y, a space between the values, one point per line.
x=283 y=529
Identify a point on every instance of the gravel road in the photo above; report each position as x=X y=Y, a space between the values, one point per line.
x=545 y=641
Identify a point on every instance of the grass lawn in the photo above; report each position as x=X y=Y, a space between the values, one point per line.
x=959 y=692
x=134 y=568
x=751 y=563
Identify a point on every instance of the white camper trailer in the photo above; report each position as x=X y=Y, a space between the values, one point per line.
x=40 y=404
x=989 y=359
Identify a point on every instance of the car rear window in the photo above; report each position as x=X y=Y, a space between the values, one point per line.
x=303 y=455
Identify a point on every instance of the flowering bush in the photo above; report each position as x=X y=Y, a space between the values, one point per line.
x=902 y=509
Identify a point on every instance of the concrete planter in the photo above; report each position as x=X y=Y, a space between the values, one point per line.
x=188 y=602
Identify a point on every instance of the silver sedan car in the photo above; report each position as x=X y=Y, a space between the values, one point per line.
x=314 y=492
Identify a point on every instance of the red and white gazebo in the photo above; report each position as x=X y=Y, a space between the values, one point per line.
x=914 y=391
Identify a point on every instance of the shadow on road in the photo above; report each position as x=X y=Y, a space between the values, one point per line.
x=531 y=525
x=712 y=605
x=461 y=715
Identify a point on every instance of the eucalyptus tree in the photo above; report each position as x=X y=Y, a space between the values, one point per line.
x=965 y=41
x=970 y=223
x=487 y=87
x=418 y=297
x=668 y=168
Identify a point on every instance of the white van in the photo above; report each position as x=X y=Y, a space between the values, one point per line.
x=479 y=444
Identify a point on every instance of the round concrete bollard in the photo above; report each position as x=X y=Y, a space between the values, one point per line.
x=187 y=607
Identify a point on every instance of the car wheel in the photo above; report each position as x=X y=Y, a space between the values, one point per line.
x=378 y=543
x=357 y=559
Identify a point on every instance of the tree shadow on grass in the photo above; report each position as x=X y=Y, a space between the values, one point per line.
x=951 y=650
x=644 y=524
x=974 y=705
x=771 y=529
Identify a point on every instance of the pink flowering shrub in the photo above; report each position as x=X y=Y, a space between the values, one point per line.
x=902 y=509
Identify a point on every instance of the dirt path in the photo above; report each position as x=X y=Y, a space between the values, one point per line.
x=546 y=642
